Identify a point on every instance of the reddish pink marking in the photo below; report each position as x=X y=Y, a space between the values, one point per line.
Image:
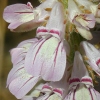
x=91 y=94
x=54 y=32
x=75 y=92
x=74 y=80
x=86 y=80
x=24 y=84
x=98 y=62
x=56 y=53
x=23 y=12
x=47 y=87
x=57 y=90
x=40 y=47
x=42 y=30
x=51 y=31
x=29 y=4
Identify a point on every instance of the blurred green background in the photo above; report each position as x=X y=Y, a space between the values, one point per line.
x=9 y=40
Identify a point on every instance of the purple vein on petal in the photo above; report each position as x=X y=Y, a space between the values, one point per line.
x=91 y=94
x=14 y=74
x=39 y=48
x=24 y=84
x=56 y=53
x=23 y=12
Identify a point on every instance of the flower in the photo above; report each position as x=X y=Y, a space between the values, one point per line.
x=24 y=17
x=43 y=67
x=19 y=81
x=80 y=83
x=49 y=91
x=46 y=92
x=41 y=57
x=92 y=54
x=47 y=57
x=82 y=21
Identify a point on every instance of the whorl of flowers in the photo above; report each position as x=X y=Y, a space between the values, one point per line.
x=58 y=63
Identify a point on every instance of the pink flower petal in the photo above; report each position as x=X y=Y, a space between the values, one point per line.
x=18 y=14
x=56 y=21
x=54 y=68
x=22 y=17
x=47 y=58
x=93 y=55
x=22 y=85
x=18 y=54
x=15 y=72
x=28 y=26
x=79 y=67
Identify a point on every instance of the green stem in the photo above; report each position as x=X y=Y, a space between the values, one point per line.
x=74 y=42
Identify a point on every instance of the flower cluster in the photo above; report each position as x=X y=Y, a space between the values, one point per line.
x=58 y=64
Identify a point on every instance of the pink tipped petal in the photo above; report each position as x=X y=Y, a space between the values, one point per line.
x=55 y=25
x=16 y=12
x=82 y=75
x=93 y=55
x=22 y=85
x=56 y=20
x=22 y=17
x=28 y=26
x=79 y=67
